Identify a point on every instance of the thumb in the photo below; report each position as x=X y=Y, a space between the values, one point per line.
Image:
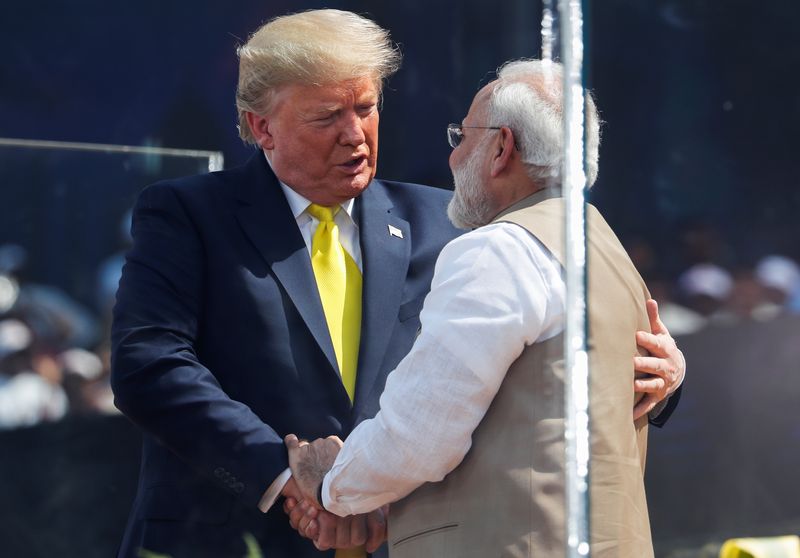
x=291 y=441
x=656 y=325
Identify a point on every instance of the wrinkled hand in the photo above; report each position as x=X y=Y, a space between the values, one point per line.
x=329 y=531
x=310 y=461
x=665 y=366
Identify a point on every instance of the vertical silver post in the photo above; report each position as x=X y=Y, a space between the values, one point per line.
x=216 y=161
x=548 y=33
x=575 y=346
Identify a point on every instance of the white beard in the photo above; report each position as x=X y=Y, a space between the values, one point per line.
x=470 y=206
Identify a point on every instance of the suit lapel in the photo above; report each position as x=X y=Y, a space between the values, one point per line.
x=385 y=258
x=267 y=220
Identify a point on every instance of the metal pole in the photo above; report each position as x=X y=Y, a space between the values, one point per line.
x=548 y=33
x=575 y=345
x=215 y=158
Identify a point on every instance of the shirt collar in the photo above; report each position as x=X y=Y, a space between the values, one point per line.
x=298 y=203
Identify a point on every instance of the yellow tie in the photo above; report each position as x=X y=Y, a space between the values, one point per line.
x=339 y=284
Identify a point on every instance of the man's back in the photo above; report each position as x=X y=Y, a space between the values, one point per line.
x=507 y=496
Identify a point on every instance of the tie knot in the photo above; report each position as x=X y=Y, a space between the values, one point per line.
x=323 y=213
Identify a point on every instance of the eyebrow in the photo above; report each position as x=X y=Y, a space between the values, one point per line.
x=323 y=110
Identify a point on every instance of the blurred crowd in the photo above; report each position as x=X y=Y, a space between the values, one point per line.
x=708 y=294
x=54 y=351
x=711 y=284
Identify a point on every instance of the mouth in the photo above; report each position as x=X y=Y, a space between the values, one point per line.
x=354 y=165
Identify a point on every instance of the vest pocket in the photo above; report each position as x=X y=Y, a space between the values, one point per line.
x=424 y=533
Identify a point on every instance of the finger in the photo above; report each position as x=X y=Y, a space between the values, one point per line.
x=652 y=343
x=652 y=365
x=644 y=406
x=343 y=532
x=291 y=441
x=376 y=530
x=650 y=385
x=288 y=505
x=656 y=325
x=296 y=516
x=312 y=530
x=307 y=524
x=336 y=440
x=326 y=537
x=358 y=530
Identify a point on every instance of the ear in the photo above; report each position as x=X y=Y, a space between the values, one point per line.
x=503 y=153
x=259 y=126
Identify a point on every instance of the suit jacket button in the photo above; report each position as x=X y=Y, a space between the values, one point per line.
x=219 y=472
x=238 y=488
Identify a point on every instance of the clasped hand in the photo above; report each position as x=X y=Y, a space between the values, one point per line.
x=665 y=367
x=310 y=461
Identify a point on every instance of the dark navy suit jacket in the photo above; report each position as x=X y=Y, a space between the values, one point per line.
x=220 y=348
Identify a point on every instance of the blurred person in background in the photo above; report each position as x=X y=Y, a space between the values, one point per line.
x=780 y=278
x=30 y=383
x=679 y=319
x=748 y=300
x=110 y=270
x=705 y=288
x=57 y=320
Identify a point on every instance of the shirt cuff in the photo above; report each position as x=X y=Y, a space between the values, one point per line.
x=326 y=500
x=655 y=411
x=274 y=490
x=661 y=405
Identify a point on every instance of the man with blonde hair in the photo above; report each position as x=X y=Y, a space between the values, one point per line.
x=250 y=295
x=271 y=298
x=468 y=446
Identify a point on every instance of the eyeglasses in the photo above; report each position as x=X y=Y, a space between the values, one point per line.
x=455 y=133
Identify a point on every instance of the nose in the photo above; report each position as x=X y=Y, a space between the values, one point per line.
x=352 y=132
x=451 y=158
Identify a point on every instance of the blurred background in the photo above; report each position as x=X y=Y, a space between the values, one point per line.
x=698 y=176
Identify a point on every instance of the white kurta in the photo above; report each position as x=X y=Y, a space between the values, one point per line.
x=495 y=290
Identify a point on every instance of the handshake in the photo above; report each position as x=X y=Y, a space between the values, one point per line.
x=310 y=461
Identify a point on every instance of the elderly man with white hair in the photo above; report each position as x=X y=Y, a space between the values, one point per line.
x=468 y=446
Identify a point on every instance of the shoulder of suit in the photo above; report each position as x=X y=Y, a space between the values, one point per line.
x=196 y=186
x=412 y=189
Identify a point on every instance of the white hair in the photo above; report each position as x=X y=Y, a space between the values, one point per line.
x=527 y=98
x=317 y=47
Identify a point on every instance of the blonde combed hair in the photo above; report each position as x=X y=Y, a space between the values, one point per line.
x=316 y=47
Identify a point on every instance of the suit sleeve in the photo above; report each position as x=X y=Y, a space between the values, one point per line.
x=659 y=416
x=158 y=380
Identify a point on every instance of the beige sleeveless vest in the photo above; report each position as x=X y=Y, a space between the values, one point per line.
x=506 y=498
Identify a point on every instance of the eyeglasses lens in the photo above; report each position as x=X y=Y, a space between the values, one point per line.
x=454 y=136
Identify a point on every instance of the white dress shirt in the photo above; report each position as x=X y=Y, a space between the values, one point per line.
x=495 y=291
x=348 y=237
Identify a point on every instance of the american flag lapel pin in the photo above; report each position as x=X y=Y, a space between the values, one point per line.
x=394 y=231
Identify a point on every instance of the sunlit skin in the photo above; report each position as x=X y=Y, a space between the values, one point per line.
x=506 y=182
x=472 y=137
x=322 y=140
